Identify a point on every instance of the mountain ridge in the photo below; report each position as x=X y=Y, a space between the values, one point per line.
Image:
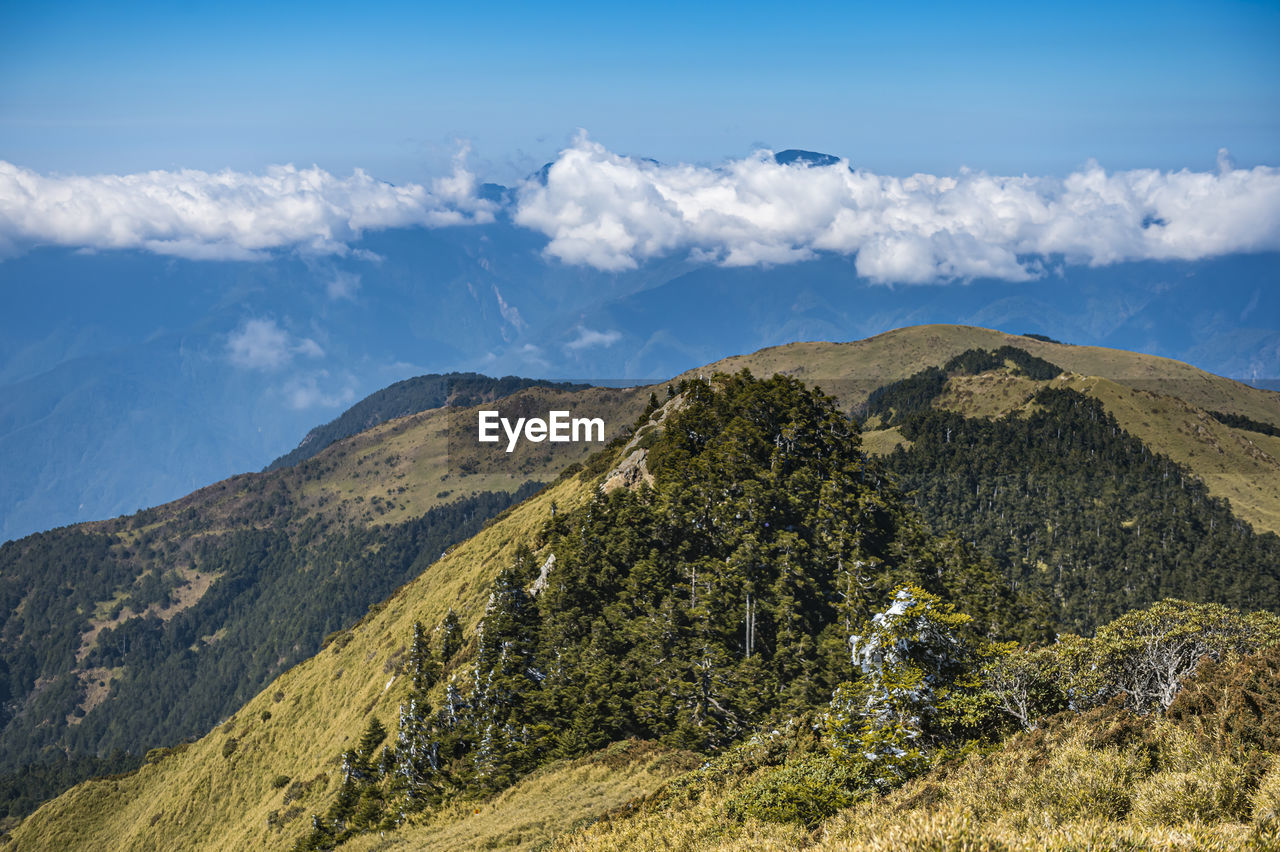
x=812 y=361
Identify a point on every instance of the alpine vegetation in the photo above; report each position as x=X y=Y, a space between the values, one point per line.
x=734 y=593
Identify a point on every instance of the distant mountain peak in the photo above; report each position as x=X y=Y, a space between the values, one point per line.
x=810 y=159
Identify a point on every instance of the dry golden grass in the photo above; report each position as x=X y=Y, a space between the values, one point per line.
x=543 y=806
x=1161 y=401
x=881 y=442
x=852 y=370
x=987 y=394
x=402 y=468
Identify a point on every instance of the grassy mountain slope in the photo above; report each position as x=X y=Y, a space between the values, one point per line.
x=404 y=467
x=1241 y=465
x=222 y=786
x=550 y=802
x=859 y=367
x=223 y=790
x=194 y=795
x=145 y=630
x=403 y=398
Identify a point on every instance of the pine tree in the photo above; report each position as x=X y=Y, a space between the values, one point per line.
x=422 y=664
x=450 y=636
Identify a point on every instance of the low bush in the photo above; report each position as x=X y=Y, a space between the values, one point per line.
x=806 y=790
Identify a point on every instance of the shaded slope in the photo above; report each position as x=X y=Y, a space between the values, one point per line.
x=1073 y=506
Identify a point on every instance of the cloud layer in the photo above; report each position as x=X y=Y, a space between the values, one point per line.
x=224 y=215
x=612 y=212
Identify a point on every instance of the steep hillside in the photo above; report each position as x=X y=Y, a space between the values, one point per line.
x=702 y=613
x=861 y=366
x=197 y=797
x=124 y=635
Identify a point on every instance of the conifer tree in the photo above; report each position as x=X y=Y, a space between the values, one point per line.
x=450 y=636
x=422 y=664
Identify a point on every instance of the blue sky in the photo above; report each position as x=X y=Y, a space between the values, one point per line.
x=1007 y=88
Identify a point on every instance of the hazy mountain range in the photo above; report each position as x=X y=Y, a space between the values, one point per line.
x=129 y=378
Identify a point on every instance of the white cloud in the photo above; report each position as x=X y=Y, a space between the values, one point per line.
x=224 y=215
x=531 y=355
x=261 y=344
x=343 y=285
x=611 y=212
x=302 y=392
x=510 y=314
x=589 y=338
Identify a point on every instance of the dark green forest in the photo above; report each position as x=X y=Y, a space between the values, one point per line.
x=1075 y=509
x=1239 y=421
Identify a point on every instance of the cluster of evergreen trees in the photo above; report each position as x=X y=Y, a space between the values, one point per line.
x=1239 y=421
x=690 y=613
x=896 y=401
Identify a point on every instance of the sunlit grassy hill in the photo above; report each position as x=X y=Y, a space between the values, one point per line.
x=213 y=794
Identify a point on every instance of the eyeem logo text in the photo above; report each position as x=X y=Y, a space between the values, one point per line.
x=558 y=428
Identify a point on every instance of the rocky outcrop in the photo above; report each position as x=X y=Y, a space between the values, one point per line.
x=630 y=474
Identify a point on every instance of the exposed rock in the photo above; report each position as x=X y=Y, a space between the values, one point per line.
x=630 y=474
x=541 y=583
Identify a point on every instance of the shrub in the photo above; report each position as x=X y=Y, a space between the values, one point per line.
x=229 y=747
x=1234 y=703
x=280 y=781
x=1148 y=653
x=806 y=790
x=1266 y=800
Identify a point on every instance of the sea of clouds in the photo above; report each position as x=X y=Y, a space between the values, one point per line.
x=612 y=212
